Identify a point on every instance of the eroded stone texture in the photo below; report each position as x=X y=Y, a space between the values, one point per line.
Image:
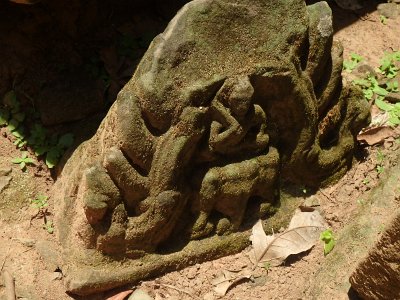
x=232 y=97
x=378 y=275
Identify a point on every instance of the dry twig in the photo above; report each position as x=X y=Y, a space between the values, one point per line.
x=5 y=258
x=176 y=289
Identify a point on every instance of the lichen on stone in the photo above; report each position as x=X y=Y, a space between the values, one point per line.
x=232 y=99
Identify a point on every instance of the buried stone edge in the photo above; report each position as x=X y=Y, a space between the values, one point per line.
x=90 y=279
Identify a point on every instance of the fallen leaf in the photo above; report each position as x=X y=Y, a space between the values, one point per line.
x=375 y=135
x=302 y=234
x=307 y=218
x=378 y=117
x=259 y=240
x=227 y=279
x=121 y=295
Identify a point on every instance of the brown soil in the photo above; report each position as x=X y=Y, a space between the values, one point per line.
x=23 y=250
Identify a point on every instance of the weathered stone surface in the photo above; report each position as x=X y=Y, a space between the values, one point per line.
x=5 y=171
x=330 y=280
x=393 y=97
x=49 y=254
x=229 y=100
x=389 y=10
x=4 y=178
x=66 y=101
x=378 y=276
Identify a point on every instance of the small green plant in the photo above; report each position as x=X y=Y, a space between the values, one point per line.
x=57 y=148
x=388 y=66
x=383 y=19
x=366 y=181
x=379 y=169
x=49 y=227
x=40 y=202
x=350 y=65
x=329 y=241
x=49 y=146
x=380 y=157
x=23 y=161
x=12 y=117
x=392 y=109
x=376 y=91
x=370 y=87
x=267 y=266
x=381 y=228
x=361 y=202
x=392 y=86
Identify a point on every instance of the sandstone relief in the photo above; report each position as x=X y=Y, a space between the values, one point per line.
x=232 y=99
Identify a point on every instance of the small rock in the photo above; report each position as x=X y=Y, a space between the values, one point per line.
x=4 y=182
x=140 y=295
x=57 y=276
x=26 y=242
x=49 y=254
x=5 y=171
x=192 y=273
x=393 y=97
x=209 y=296
x=388 y=10
x=363 y=69
x=259 y=281
x=312 y=201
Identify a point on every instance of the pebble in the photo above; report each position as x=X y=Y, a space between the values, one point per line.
x=209 y=296
x=26 y=242
x=393 y=97
x=140 y=295
x=4 y=182
x=56 y=276
x=5 y=171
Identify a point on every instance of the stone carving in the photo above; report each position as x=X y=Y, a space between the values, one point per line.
x=232 y=98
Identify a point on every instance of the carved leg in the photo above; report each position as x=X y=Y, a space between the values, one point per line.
x=165 y=202
x=208 y=194
x=100 y=194
x=146 y=231
x=133 y=186
x=134 y=138
x=113 y=242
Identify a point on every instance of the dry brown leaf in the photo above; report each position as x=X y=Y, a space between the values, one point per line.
x=307 y=218
x=375 y=135
x=302 y=234
x=227 y=279
x=121 y=295
x=260 y=241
